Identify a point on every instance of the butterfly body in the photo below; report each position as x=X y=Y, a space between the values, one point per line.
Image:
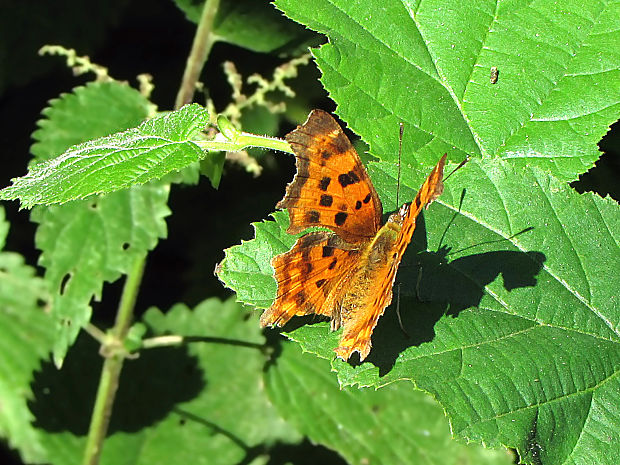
x=346 y=274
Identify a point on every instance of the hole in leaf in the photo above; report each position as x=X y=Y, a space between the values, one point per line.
x=125 y=245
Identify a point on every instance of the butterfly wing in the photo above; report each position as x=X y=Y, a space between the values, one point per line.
x=310 y=277
x=331 y=187
x=371 y=287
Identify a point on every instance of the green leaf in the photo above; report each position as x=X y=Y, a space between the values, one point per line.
x=559 y=77
x=158 y=146
x=517 y=278
x=81 y=114
x=517 y=335
x=202 y=403
x=247 y=267
x=85 y=243
x=27 y=337
x=213 y=167
x=252 y=24
x=397 y=424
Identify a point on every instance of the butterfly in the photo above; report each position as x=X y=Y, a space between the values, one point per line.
x=346 y=273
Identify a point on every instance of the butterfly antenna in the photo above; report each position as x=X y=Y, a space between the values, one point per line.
x=460 y=165
x=400 y=321
x=400 y=152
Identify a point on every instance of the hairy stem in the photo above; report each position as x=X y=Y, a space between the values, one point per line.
x=203 y=41
x=112 y=348
x=112 y=366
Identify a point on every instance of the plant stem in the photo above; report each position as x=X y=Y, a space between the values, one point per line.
x=203 y=41
x=112 y=366
x=113 y=362
x=242 y=141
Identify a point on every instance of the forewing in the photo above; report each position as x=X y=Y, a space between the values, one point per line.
x=430 y=190
x=373 y=297
x=331 y=187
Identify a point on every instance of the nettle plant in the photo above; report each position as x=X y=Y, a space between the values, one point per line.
x=509 y=313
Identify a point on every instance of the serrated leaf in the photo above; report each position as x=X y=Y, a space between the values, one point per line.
x=397 y=424
x=247 y=267
x=518 y=337
x=81 y=114
x=556 y=95
x=85 y=243
x=520 y=331
x=27 y=337
x=202 y=403
x=157 y=147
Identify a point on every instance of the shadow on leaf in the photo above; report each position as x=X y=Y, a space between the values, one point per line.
x=150 y=388
x=445 y=288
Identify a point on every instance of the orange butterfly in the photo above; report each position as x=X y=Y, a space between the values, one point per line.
x=346 y=274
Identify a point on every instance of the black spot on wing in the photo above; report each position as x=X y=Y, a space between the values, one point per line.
x=367 y=198
x=300 y=298
x=340 y=218
x=313 y=216
x=324 y=183
x=358 y=205
x=320 y=283
x=326 y=200
x=333 y=263
x=327 y=251
x=325 y=155
x=349 y=178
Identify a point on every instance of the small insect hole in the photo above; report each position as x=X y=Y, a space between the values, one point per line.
x=125 y=245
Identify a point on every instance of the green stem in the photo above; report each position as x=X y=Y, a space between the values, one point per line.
x=113 y=362
x=242 y=141
x=112 y=366
x=203 y=41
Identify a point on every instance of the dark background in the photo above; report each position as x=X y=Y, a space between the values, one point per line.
x=133 y=37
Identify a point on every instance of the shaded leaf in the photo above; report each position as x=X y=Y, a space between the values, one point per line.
x=85 y=243
x=27 y=337
x=203 y=402
x=397 y=424
x=252 y=24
